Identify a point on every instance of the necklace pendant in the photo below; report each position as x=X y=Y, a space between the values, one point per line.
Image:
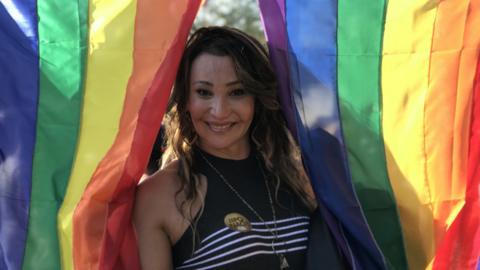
x=283 y=262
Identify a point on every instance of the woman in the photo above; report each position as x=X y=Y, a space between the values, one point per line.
x=231 y=193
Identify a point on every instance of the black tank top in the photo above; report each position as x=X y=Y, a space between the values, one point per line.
x=219 y=247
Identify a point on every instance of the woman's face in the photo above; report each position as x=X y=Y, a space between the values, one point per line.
x=220 y=108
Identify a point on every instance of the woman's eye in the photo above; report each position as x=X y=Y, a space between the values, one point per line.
x=203 y=92
x=238 y=92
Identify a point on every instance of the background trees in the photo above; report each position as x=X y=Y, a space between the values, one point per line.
x=241 y=14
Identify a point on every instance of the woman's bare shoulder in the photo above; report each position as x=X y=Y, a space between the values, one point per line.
x=159 y=199
x=159 y=190
x=163 y=180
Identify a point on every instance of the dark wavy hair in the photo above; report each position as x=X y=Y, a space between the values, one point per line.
x=268 y=131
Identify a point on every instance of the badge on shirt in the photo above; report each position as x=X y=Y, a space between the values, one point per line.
x=237 y=222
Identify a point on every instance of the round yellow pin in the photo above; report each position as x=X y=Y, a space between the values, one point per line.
x=237 y=222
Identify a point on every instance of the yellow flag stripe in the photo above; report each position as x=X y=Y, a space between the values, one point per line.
x=405 y=69
x=109 y=65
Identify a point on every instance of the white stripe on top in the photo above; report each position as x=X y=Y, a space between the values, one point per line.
x=246 y=238
x=219 y=242
x=280 y=220
x=249 y=246
x=213 y=234
x=257 y=223
x=253 y=229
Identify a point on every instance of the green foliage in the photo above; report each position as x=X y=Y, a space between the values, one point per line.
x=241 y=14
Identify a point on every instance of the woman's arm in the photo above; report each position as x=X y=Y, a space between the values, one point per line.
x=150 y=216
x=154 y=247
x=159 y=223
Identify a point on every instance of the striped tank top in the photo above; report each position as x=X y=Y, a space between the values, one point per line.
x=217 y=246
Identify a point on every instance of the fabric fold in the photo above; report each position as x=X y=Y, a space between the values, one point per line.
x=103 y=233
x=19 y=75
x=62 y=50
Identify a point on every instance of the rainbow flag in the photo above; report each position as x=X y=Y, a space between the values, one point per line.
x=383 y=97
x=392 y=89
x=84 y=86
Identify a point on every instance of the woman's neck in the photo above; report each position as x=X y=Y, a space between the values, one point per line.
x=237 y=152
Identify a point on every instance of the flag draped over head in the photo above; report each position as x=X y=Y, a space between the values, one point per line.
x=84 y=85
x=395 y=84
x=382 y=96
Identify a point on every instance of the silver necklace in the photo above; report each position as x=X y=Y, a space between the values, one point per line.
x=283 y=260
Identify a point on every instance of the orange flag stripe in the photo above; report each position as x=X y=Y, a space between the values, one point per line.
x=102 y=218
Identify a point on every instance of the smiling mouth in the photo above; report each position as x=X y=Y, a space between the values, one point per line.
x=219 y=128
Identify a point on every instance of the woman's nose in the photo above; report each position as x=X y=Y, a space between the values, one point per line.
x=220 y=108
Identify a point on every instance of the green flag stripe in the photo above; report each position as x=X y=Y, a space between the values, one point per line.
x=359 y=41
x=62 y=46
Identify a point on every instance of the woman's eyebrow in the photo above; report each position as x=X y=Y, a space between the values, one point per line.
x=203 y=82
x=233 y=83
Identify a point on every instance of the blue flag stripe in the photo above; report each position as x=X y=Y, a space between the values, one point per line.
x=18 y=109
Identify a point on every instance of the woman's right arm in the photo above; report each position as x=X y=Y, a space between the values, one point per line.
x=150 y=215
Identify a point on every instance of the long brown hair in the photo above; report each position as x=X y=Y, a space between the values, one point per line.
x=268 y=131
